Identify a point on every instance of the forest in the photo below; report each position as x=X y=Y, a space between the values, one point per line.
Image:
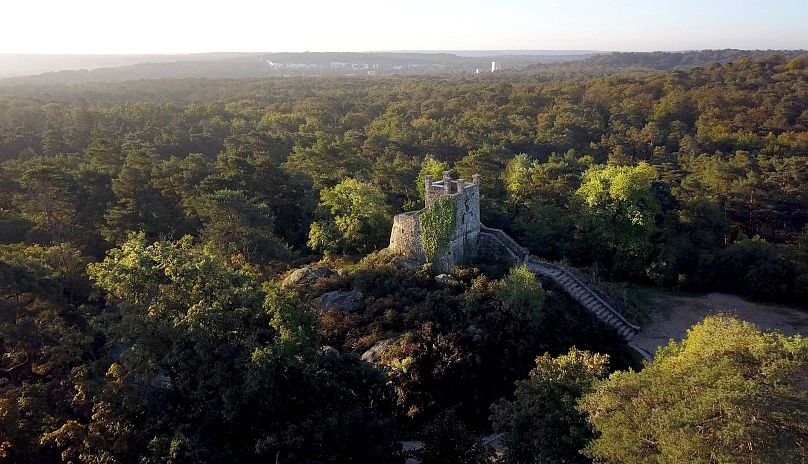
x=166 y=245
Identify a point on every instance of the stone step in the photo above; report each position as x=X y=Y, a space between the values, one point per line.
x=588 y=298
x=627 y=332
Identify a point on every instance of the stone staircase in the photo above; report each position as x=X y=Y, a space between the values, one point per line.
x=586 y=296
x=569 y=282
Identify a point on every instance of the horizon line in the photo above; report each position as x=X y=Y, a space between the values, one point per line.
x=446 y=51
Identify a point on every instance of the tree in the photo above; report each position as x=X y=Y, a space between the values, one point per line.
x=229 y=367
x=104 y=152
x=140 y=206
x=326 y=161
x=289 y=197
x=447 y=441
x=522 y=295
x=355 y=219
x=538 y=196
x=542 y=424
x=727 y=393
x=49 y=198
x=235 y=225
x=392 y=173
x=616 y=213
x=48 y=345
x=489 y=162
x=568 y=125
x=430 y=167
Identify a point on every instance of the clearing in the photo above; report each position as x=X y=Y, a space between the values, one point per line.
x=671 y=315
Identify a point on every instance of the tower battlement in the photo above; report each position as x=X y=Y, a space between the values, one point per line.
x=448 y=187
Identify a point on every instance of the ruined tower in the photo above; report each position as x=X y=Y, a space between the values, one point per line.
x=405 y=238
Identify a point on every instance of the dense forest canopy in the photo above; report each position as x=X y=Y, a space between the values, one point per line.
x=146 y=228
x=727 y=145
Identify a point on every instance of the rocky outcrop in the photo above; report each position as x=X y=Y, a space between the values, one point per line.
x=306 y=275
x=409 y=264
x=346 y=301
x=329 y=352
x=374 y=354
x=445 y=279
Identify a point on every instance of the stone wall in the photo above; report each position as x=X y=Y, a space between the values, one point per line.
x=405 y=238
x=496 y=246
x=490 y=249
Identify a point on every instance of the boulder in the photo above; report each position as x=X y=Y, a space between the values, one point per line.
x=408 y=264
x=329 y=352
x=445 y=279
x=477 y=334
x=374 y=354
x=306 y=275
x=346 y=301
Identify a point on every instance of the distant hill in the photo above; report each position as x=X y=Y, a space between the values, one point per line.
x=12 y=65
x=683 y=60
x=616 y=62
x=563 y=64
x=251 y=65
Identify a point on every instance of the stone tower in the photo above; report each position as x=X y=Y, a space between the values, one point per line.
x=405 y=239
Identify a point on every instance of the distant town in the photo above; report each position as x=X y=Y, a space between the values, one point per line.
x=375 y=69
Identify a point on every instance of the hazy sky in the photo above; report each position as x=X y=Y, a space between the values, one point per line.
x=172 y=26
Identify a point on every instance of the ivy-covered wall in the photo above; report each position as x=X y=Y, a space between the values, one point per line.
x=438 y=227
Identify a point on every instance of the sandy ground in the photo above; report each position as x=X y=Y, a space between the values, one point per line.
x=673 y=315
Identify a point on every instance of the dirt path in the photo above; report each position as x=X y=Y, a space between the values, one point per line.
x=674 y=314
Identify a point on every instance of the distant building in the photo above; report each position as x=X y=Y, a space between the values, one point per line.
x=495 y=66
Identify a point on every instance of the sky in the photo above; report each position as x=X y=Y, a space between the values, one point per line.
x=182 y=26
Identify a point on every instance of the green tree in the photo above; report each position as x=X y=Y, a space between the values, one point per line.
x=49 y=198
x=522 y=295
x=235 y=225
x=230 y=367
x=393 y=173
x=104 y=152
x=616 y=213
x=326 y=161
x=447 y=441
x=727 y=393
x=48 y=347
x=140 y=205
x=489 y=162
x=542 y=424
x=430 y=167
x=356 y=219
